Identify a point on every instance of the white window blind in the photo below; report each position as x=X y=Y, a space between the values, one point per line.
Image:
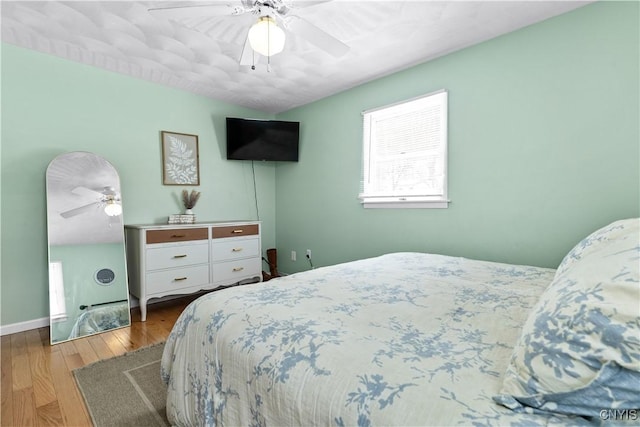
x=57 y=305
x=405 y=154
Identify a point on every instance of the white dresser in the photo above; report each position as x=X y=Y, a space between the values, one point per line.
x=177 y=259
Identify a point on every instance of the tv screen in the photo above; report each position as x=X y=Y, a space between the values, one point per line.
x=275 y=140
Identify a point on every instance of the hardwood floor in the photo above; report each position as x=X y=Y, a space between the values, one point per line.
x=37 y=384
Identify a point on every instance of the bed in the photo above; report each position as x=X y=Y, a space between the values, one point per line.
x=412 y=339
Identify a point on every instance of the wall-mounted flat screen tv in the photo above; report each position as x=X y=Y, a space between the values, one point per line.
x=274 y=140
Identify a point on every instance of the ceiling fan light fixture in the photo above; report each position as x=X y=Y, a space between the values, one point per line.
x=113 y=208
x=266 y=37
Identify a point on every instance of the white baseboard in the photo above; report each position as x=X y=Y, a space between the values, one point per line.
x=41 y=323
x=24 y=326
x=14 y=328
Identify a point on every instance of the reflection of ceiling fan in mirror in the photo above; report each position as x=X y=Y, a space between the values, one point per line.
x=265 y=36
x=106 y=199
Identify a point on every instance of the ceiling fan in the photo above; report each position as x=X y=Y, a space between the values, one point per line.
x=265 y=36
x=105 y=198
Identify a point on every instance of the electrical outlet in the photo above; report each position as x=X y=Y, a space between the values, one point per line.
x=308 y=253
x=293 y=255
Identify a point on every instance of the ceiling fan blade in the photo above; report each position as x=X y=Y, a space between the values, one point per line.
x=86 y=192
x=315 y=35
x=196 y=11
x=303 y=4
x=79 y=210
x=285 y=7
x=247 y=56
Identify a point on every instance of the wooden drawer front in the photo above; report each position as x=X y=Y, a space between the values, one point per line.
x=177 y=256
x=234 y=271
x=176 y=279
x=234 y=231
x=176 y=235
x=235 y=249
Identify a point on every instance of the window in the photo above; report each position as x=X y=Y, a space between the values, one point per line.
x=57 y=306
x=405 y=154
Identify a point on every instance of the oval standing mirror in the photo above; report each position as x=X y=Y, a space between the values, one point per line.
x=88 y=289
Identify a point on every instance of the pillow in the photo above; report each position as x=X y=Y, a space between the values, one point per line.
x=595 y=241
x=579 y=351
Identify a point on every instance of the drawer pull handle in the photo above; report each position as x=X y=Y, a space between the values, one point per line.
x=236 y=250
x=180 y=256
x=177 y=279
x=174 y=236
x=238 y=269
x=238 y=231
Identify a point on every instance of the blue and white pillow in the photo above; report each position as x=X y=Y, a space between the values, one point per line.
x=579 y=351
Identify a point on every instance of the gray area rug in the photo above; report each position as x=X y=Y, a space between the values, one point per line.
x=126 y=390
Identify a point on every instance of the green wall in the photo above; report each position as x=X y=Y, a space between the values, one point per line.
x=543 y=149
x=51 y=106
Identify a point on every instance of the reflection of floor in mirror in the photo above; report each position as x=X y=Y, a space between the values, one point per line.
x=37 y=380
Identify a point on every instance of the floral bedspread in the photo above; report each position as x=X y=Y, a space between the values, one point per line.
x=400 y=339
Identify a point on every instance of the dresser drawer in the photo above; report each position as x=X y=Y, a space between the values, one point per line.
x=173 y=280
x=235 y=231
x=177 y=235
x=177 y=256
x=234 y=271
x=224 y=250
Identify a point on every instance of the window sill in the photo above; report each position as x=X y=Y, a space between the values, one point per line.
x=405 y=204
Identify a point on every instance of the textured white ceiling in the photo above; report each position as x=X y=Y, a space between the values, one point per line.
x=202 y=55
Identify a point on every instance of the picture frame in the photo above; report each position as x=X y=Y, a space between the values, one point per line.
x=180 y=158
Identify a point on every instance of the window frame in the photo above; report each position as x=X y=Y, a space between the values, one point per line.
x=405 y=201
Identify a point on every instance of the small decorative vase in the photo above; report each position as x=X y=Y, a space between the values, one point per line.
x=188 y=212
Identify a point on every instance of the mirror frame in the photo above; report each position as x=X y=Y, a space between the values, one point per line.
x=88 y=282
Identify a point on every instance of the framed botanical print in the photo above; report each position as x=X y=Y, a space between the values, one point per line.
x=180 y=159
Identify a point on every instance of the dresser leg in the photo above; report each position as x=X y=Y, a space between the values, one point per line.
x=143 y=310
